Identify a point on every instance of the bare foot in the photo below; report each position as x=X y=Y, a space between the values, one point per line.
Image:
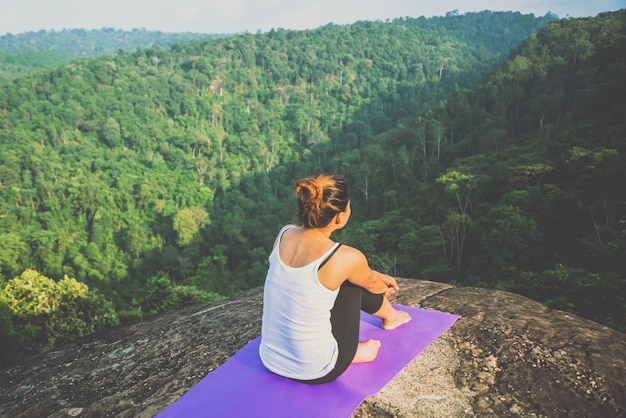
x=397 y=319
x=366 y=351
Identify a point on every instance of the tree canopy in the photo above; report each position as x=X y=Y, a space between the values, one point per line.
x=23 y=53
x=483 y=149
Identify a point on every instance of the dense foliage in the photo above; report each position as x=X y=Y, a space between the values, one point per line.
x=539 y=208
x=144 y=171
x=43 y=313
x=26 y=52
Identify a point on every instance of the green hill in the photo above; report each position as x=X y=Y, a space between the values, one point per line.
x=26 y=52
x=482 y=150
x=535 y=159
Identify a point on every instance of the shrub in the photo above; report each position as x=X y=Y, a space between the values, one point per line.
x=45 y=313
x=163 y=296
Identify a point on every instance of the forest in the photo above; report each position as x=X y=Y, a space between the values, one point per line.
x=484 y=149
x=24 y=53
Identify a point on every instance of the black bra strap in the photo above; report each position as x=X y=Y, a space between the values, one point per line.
x=329 y=256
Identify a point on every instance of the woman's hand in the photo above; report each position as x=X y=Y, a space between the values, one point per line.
x=392 y=286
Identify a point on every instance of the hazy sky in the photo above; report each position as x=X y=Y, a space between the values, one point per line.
x=232 y=16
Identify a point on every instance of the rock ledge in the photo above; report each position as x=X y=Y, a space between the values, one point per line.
x=506 y=356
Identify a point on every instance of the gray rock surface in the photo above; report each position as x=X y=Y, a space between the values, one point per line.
x=506 y=356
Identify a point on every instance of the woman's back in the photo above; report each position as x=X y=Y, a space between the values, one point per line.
x=297 y=336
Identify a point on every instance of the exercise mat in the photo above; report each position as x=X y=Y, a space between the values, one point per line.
x=242 y=387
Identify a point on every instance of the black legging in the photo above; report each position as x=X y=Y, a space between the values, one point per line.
x=344 y=318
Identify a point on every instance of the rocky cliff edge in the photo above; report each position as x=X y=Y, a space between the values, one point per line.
x=506 y=356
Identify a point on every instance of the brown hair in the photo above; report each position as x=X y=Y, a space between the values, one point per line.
x=321 y=198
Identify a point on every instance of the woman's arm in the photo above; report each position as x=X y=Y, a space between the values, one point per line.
x=360 y=273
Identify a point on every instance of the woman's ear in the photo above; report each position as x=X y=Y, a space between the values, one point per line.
x=341 y=218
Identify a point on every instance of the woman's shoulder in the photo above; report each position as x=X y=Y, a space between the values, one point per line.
x=289 y=226
x=282 y=232
x=350 y=255
x=347 y=262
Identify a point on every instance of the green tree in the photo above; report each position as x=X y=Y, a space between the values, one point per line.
x=188 y=222
x=510 y=243
x=10 y=349
x=456 y=227
x=111 y=133
x=12 y=248
x=163 y=296
x=47 y=313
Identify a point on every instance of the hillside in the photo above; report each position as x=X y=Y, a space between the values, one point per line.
x=23 y=53
x=535 y=158
x=210 y=118
x=482 y=149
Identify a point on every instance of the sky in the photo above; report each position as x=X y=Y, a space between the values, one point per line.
x=236 y=16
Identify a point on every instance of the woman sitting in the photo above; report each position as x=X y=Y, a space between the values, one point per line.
x=315 y=289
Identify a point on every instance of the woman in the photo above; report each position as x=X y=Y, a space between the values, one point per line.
x=315 y=289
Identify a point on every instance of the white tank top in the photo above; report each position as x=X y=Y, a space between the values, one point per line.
x=296 y=334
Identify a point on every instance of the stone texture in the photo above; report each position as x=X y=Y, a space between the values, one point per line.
x=506 y=356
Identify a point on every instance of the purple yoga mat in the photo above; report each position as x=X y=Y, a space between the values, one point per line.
x=243 y=387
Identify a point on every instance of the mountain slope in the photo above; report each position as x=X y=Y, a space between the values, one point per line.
x=473 y=159
x=23 y=53
x=532 y=201
x=99 y=155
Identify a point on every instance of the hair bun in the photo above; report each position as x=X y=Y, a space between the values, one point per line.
x=310 y=191
x=321 y=198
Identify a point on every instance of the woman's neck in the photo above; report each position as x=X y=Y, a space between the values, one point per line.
x=325 y=231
